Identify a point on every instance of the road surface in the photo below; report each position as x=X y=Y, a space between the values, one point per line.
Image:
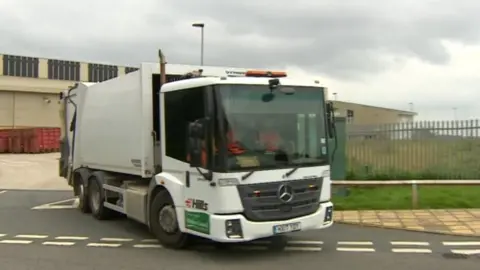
x=38 y=233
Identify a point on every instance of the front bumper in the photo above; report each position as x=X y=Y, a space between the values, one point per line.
x=321 y=219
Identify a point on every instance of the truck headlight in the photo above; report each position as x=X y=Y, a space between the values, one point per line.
x=328 y=214
x=233 y=228
x=225 y=182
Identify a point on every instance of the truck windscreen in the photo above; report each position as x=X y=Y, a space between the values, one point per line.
x=286 y=130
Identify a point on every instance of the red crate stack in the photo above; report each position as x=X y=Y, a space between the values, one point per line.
x=50 y=138
x=4 y=135
x=57 y=134
x=30 y=140
x=47 y=139
x=15 y=142
x=33 y=141
x=43 y=134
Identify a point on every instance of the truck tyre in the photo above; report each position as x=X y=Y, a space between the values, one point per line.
x=83 y=202
x=164 y=222
x=96 y=199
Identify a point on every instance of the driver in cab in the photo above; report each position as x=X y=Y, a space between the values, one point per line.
x=268 y=137
x=232 y=146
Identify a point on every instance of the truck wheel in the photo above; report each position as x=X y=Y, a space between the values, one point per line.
x=83 y=203
x=96 y=199
x=164 y=222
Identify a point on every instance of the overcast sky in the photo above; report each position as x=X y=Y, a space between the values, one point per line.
x=384 y=53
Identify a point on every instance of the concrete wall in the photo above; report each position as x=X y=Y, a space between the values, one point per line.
x=29 y=102
x=33 y=102
x=21 y=109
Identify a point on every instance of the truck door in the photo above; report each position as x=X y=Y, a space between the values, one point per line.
x=182 y=107
x=200 y=196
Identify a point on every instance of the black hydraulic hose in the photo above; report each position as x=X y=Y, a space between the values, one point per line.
x=336 y=141
x=72 y=125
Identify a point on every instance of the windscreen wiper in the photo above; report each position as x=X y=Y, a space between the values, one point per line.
x=287 y=174
x=245 y=176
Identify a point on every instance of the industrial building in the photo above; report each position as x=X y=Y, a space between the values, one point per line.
x=29 y=88
x=360 y=114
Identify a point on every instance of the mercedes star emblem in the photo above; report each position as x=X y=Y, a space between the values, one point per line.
x=285 y=193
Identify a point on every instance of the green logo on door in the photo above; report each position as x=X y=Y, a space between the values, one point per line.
x=197 y=221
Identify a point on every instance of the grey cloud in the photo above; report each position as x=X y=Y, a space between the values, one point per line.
x=346 y=39
x=347 y=36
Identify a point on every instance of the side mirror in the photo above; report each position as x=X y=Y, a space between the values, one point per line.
x=195 y=152
x=330 y=110
x=287 y=90
x=196 y=133
x=267 y=97
x=197 y=129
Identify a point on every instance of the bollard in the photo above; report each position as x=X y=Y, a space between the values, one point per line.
x=414 y=195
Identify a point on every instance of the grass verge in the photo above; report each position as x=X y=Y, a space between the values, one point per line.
x=396 y=198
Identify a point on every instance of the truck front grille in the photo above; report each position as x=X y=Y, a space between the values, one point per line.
x=262 y=203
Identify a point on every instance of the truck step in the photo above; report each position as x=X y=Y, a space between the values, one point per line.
x=114 y=207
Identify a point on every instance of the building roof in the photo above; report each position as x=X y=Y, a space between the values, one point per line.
x=411 y=113
x=231 y=71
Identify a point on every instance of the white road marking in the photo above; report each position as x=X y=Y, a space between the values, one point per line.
x=355 y=249
x=3 y=191
x=466 y=251
x=31 y=236
x=71 y=238
x=23 y=242
x=461 y=243
x=411 y=250
x=54 y=205
x=103 y=245
x=359 y=243
x=58 y=243
x=302 y=242
x=75 y=203
x=149 y=241
x=147 y=246
x=403 y=243
x=45 y=207
x=399 y=247
x=116 y=239
x=303 y=248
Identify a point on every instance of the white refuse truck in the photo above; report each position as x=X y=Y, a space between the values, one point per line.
x=230 y=156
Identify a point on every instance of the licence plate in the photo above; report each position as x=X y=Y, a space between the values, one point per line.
x=285 y=228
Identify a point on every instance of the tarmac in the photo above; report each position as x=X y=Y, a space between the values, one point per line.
x=40 y=172
x=31 y=172
x=461 y=222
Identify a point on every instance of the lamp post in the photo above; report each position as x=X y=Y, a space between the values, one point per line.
x=202 y=27
x=410 y=105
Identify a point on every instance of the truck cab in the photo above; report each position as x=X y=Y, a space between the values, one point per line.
x=240 y=186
